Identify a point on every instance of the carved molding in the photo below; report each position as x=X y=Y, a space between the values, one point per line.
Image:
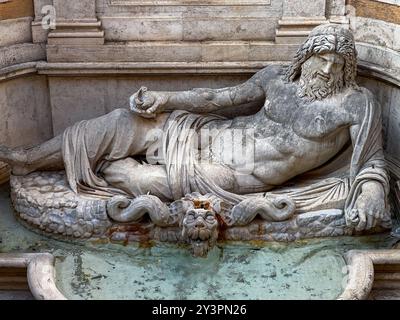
x=18 y=70
x=190 y=3
x=298 y=20
x=40 y=274
x=81 y=32
x=294 y=30
x=369 y=271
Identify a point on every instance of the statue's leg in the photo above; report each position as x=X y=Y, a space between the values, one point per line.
x=138 y=179
x=124 y=131
x=46 y=156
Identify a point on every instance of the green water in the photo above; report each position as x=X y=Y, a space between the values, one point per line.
x=313 y=269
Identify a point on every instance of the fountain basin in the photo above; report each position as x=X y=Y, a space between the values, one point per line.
x=307 y=269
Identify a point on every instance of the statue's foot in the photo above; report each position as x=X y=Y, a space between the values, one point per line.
x=16 y=159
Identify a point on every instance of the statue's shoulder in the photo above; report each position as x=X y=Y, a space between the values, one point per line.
x=356 y=100
x=359 y=96
x=270 y=73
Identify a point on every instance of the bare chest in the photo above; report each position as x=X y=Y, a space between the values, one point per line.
x=316 y=120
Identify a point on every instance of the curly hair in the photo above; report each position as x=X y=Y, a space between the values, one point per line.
x=324 y=39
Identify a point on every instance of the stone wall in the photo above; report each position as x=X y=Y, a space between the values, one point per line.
x=25 y=111
x=181 y=30
x=102 y=51
x=24 y=99
x=382 y=10
x=24 y=96
x=376 y=28
x=200 y=20
x=77 y=98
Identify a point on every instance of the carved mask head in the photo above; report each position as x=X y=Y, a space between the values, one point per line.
x=326 y=63
x=200 y=230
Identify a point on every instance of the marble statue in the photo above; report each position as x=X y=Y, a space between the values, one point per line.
x=314 y=145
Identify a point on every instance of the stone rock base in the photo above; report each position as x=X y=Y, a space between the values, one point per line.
x=45 y=202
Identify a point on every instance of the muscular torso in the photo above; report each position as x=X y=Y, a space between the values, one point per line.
x=287 y=137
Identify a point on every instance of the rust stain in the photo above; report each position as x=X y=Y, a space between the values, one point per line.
x=134 y=229
x=16 y=9
x=202 y=204
x=260 y=230
x=376 y=10
x=221 y=227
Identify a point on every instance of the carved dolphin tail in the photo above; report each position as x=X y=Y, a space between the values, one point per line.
x=276 y=208
x=122 y=209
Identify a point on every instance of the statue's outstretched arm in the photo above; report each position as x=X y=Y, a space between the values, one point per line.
x=200 y=100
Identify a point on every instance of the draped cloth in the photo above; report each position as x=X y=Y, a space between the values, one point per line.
x=182 y=157
x=87 y=145
x=90 y=144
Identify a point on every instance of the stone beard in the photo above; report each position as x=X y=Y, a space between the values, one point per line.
x=313 y=87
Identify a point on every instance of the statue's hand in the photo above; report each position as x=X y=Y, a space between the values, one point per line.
x=370 y=207
x=147 y=103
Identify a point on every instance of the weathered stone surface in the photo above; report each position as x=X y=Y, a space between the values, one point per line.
x=220 y=51
x=325 y=223
x=45 y=201
x=39 y=34
x=38 y=6
x=20 y=53
x=303 y=9
x=27 y=96
x=336 y=7
x=265 y=52
x=373 y=31
x=232 y=28
x=379 y=56
x=142 y=29
x=189 y=21
x=88 y=97
x=75 y=9
x=15 y=31
x=396 y=38
x=176 y=51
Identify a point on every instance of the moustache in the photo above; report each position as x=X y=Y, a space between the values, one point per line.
x=321 y=76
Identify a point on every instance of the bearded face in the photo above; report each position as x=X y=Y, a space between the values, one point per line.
x=200 y=230
x=321 y=76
